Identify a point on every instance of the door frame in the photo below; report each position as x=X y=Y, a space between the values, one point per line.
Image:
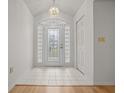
x=45 y=22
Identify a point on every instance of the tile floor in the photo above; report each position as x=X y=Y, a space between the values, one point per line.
x=52 y=76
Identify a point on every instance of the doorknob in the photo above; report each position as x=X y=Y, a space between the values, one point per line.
x=61 y=45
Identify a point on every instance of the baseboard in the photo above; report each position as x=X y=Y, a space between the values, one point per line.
x=65 y=85
x=104 y=83
x=11 y=87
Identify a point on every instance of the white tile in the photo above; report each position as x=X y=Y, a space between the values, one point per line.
x=52 y=76
x=60 y=82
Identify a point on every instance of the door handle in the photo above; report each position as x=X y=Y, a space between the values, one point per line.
x=61 y=45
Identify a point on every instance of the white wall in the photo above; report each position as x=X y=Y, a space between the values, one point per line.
x=104 y=52
x=20 y=39
x=84 y=35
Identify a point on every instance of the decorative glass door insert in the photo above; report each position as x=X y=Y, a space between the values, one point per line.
x=53 y=45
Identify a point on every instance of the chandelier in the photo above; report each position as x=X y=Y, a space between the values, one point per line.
x=54 y=11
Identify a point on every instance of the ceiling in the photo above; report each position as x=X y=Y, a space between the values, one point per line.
x=66 y=6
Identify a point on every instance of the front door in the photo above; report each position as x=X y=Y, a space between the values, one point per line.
x=54 y=46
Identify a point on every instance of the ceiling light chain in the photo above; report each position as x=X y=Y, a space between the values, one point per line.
x=53 y=2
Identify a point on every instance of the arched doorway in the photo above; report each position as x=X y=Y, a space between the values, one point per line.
x=52 y=43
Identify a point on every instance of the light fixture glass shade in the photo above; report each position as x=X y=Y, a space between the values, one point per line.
x=54 y=11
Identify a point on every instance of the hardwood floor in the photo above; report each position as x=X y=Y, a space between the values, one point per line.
x=62 y=89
